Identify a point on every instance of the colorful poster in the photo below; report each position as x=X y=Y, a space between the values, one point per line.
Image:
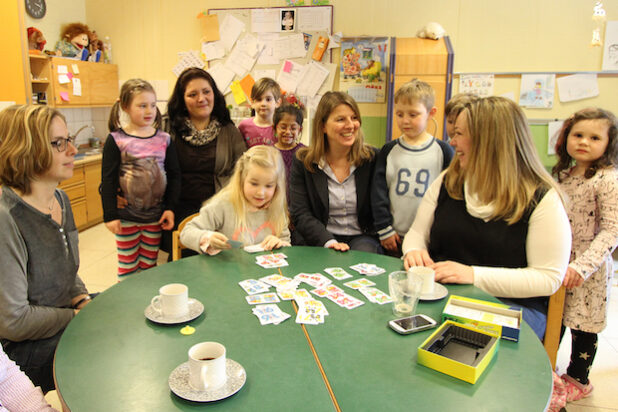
x=363 y=68
x=537 y=91
x=481 y=85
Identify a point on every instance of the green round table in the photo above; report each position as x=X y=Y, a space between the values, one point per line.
x=111 y=358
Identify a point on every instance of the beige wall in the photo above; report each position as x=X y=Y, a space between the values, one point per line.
x=59 y=12
x=487 y=35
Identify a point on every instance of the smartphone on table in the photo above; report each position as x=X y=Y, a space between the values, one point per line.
x=411 y=324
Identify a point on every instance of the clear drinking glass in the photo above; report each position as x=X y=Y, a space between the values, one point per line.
x=405 y=289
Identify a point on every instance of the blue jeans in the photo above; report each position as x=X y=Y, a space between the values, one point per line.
x=534 y=311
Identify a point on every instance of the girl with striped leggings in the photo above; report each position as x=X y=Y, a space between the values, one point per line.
x=140 y=166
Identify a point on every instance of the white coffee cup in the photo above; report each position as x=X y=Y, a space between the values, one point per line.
x=207 y=366
x=429 y=278
x=172 y=301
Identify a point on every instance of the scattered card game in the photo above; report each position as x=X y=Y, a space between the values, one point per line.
x=311 y=311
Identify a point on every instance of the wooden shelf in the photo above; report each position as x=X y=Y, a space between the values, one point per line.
x=39 y=56
x=99 y=82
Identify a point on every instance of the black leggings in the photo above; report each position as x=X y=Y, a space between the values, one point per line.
x=583 y=351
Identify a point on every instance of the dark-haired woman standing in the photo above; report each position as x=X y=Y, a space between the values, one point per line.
x=207 y=141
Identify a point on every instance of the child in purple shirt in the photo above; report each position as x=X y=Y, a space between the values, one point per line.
x=288 y=125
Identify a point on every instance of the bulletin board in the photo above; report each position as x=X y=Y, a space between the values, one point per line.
x=275 y=40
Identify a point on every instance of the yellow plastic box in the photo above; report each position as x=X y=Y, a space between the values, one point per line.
x=492 y=317
x=458 y=350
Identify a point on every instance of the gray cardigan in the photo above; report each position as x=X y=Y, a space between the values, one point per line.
x=38 y=269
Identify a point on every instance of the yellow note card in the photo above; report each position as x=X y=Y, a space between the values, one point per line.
x=210 y=27
x=239 y=94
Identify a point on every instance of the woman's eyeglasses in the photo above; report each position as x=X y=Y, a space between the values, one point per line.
x=62 y=144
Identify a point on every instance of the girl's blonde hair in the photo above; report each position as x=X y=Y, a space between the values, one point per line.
x=315 y=152
x=609 y=157
x=128 y=91
x=25 y=146
x=266 y=157
x=503 y=166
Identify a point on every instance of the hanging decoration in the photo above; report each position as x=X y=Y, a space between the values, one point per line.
x=598 y=19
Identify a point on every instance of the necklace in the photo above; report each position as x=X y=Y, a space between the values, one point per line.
x=51 y=205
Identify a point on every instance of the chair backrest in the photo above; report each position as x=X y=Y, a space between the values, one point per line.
x=177 y=246
x=555 y=309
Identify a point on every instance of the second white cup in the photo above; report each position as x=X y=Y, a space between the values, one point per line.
x=172 y=301
x=429 y=278
x=207 y=366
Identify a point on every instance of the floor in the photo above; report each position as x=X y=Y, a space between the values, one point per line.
x=98 y=270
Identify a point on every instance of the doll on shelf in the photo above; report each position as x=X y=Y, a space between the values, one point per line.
x=95 y=47
x=74 y=41
x=36 y=41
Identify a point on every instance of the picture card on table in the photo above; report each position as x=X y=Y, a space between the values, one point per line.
x=270 y=314
x=252 y=286
x=375 y=295
x=262 y=298
x=338 y=273
x=359 y=283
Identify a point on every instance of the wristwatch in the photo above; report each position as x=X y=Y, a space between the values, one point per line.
x=82 y=300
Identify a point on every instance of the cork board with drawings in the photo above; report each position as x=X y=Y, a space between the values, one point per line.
x=275 y=42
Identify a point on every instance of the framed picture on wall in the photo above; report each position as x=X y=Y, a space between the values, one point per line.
x=288 y=20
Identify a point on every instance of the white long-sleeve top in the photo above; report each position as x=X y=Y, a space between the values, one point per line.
x=17 y=393
x=548 y=245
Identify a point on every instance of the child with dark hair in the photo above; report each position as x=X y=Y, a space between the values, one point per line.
x=288 y=125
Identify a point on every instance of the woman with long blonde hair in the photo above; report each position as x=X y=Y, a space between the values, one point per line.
x=251 y=209
x=495 y=217
x=330 y=181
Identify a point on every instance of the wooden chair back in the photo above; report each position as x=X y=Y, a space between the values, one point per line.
x=551 y=342
x=177 y=246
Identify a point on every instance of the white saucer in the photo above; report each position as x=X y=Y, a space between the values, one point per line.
x=439 y=291
x=195 y=309
x=179 y=383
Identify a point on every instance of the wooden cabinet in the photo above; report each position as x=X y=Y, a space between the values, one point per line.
x=83 y=192
x=99 y=83
x=92 y=179
x=40 y=78
x=427 y=60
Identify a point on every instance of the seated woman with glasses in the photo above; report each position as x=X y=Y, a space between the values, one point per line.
x=40 y=291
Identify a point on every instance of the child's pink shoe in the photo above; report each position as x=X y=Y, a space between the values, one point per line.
x=575 y=390
x=558 y=394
